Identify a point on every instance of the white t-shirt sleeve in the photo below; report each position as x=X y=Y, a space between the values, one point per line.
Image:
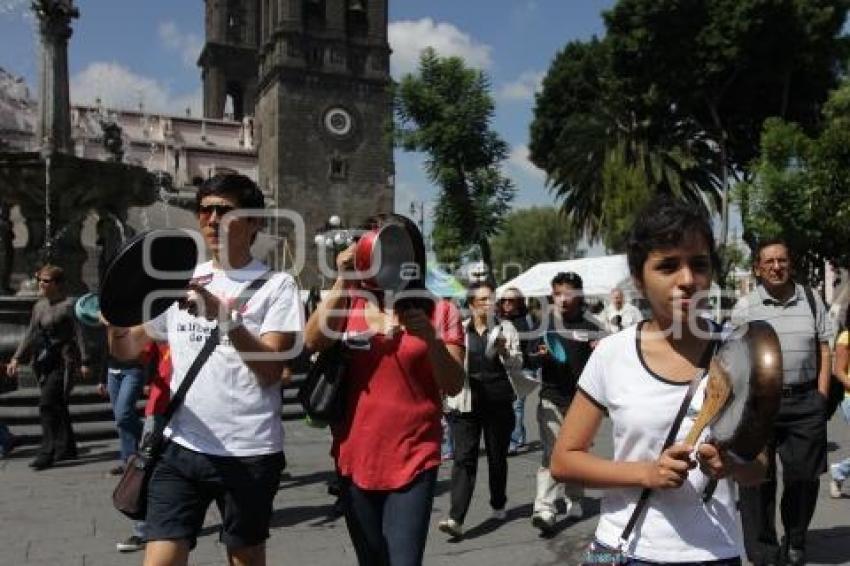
x=157 y=328
x=592 y=380
x=285 y=313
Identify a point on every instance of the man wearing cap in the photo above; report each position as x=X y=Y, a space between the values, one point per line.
x=562 y=352
x=800 y=320
x=226 y=439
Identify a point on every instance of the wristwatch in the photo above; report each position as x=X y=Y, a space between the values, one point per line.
x=226 y=325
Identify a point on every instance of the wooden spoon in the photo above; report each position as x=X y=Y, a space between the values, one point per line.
x=718 y=390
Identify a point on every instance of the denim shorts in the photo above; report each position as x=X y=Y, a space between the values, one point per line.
x=184 y=483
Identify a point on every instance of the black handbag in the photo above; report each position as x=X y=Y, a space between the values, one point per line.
x=322 y=394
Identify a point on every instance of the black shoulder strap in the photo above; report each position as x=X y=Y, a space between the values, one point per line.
x=810 y=298
x=671 y=437
x=155 y=438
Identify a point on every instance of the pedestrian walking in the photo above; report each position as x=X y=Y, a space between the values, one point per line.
x=387 y=447
x=643 y=379
x=840 y=471
x=512 y=307
x=570 y=334
x=54 y=342
x=226 y=438
x=484 y=407
x=800 y=319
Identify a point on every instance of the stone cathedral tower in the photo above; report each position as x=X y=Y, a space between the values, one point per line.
x=229 y=58
x=321 y=101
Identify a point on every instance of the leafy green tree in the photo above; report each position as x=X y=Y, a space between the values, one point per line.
x=682 y=89
x=727 y=65
x=594 y=142
x=530 y=236
x=800 y=188
x=446 y=111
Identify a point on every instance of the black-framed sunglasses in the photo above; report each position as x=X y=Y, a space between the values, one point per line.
x=221 y=209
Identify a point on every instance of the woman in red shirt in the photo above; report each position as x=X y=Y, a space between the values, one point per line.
x=387 y=448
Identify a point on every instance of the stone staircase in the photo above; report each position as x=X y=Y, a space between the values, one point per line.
x=91 y=414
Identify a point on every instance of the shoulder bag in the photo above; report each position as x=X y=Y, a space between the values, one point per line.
x=322 y=394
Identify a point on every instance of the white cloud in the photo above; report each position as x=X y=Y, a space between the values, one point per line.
x=188 y=45
x=518 y=161
x=118 y=87
x=408 y=38
x=522 y=88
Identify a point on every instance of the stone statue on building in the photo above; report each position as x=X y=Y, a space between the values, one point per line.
x=113 y=141
x=111 y=233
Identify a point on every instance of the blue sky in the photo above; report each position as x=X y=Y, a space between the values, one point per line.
x=126 y=51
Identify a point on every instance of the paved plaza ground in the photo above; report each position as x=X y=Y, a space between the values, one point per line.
x=62 y=516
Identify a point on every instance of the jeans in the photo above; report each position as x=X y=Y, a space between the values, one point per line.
x=125 y=388
x=841 y=470
x=518 y=436
x=390 y=527
x=447 y=446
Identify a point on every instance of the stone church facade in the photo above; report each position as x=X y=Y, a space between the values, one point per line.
x=315 y=75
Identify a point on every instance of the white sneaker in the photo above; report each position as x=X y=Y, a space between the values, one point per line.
x=574 y=508
x=451 y=527
x=835 y=489
x=499 y=514
x=131 y=544
x=543 y=520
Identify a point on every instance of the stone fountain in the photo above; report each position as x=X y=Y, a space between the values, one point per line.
x=54 y=189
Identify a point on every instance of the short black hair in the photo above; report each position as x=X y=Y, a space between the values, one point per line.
x=766 y=243
x=568 y=278
x=470 y=291
x=240 y=188
x=664 y=223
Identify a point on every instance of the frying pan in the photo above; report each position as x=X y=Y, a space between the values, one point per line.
x=147 y=275
x=385 y=260
x=752 y=359
x=743 y=391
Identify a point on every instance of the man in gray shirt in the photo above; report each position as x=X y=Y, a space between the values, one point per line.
x=800 y=320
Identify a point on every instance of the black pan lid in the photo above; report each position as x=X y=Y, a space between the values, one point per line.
x=147 y=275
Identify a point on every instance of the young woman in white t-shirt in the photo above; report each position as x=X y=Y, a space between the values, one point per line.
x=639 y=378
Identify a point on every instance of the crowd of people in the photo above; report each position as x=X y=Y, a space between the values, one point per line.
x=424 y=384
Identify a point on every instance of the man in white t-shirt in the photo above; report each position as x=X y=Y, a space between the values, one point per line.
x=619 y=314
x=226 y=439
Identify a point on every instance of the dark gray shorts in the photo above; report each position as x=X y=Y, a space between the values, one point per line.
x=184 y=483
